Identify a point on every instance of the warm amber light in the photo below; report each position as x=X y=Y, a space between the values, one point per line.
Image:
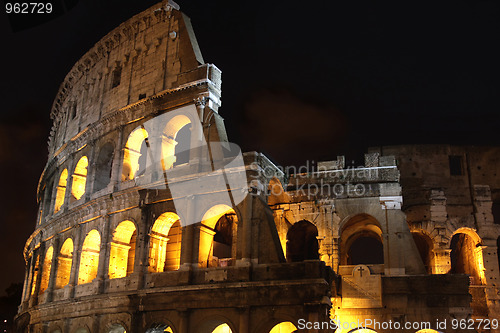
x=284 y=327
x=61 y=190
x=206 y=246
x=132 y=152
x=35 y=274
x=64 y=264
x=165 y=244
x=80 y=178
x=122 y=254
x=222 y=328
x=90 y=257
x=169 y=140
x=47 y=265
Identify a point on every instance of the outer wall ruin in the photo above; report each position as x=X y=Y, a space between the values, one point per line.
x=411 y=236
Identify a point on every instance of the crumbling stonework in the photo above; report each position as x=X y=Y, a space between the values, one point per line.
x=113 y=252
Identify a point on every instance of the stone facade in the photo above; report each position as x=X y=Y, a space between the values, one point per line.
x=118 y=247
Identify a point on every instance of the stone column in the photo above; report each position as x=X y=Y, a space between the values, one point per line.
x=116 y=167
x=75 y=266
x=442 y=261
x=244 y=320
x=188 y=236
x=141 y=263
x=53 y=270
x=91 y=172
x=184 y=320
x=245 y=235
x=102 y=269
x=37 y=274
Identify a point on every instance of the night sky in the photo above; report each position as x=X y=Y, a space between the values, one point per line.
x=302 y=80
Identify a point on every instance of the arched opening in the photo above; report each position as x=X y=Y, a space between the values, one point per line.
x=222 y=328
x=82 y=330
x=467 y=257
x=424 y=246
x=172 y=137
x=132 y=153
x=61 y=190
x=46 y=197
x=362 y=330
x=103 y=167
x=116 y=328
x=361 y=241
x=65 y=261
x=165 y=243
x=217 y=245
x=365 y=249
x=302 y=242
x=182 y=149
x=215 y=325
x=34 y=274
x=284 y=327
x=46 y=267
x=79 y=179
x=160 y=328
x=89 y=260
x=122 y=251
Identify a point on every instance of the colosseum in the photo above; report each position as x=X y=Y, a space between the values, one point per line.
x=150 y=220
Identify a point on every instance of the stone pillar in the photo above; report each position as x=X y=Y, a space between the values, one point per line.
x=91 y=172
x=69 y=183
x=205 y=236
x=141 y=263
x=183 y=320
x=27 y=279
x=53 y=270
x=37 y=274
x=117 y=165
x=188 y=246
x=244 y=320
x=245 y=235
x=102 y=269
x=442 y=261
x=75 y=267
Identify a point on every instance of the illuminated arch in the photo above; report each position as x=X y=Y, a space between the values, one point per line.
x=79 y=179
x=467 y=255
x=428 y=330
x=169 y=142
x=46 y=267
x=165 y=243
x=361 y=231
x=61 y=190
x=215 y=325
x=65 y=260
x=284 y=327
x=160 y=328
x=217 y=246
x=116 y=328
x=362 y=330
x=302 y=242
x=132 y=153
x=34 y=274
x=424 y=246
x=122 y=252
x=89 y=260
x=103 y=167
